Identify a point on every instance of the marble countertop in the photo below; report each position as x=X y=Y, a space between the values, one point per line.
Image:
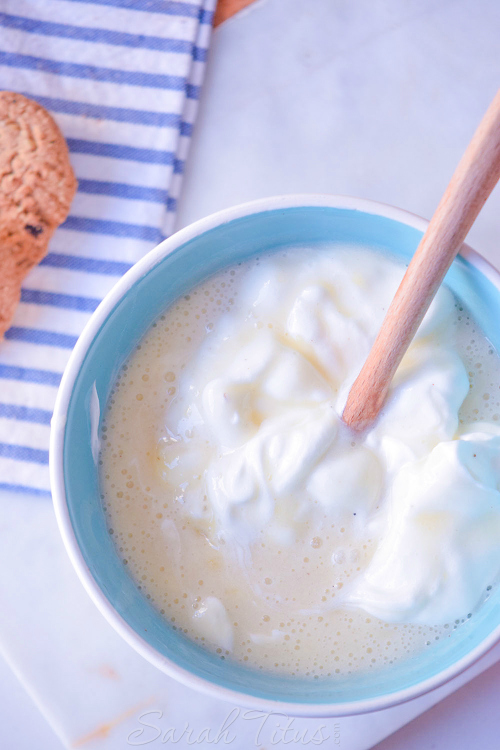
x=370 y=99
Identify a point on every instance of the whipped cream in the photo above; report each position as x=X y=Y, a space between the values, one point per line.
x=257 y=497
x=268 y=399
x=439 y=550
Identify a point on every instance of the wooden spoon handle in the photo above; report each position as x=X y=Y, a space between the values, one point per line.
x=474 y=179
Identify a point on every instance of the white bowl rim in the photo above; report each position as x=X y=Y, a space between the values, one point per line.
x=57 y=432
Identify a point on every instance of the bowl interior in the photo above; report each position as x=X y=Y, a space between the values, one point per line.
x=123 y=327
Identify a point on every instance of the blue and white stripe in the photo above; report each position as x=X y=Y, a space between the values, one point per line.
x=122 y=78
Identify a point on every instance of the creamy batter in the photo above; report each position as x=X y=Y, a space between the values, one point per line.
x=254 y=520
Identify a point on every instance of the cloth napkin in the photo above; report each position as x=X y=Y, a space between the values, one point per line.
x=122 y=79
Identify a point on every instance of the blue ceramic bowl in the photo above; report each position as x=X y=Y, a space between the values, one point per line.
x=167 y=272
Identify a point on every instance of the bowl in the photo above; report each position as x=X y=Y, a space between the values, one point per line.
x=167 y=272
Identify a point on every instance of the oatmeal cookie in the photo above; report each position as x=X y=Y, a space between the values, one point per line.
x=37 y=186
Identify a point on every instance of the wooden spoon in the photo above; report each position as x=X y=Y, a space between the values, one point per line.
x=473 y=180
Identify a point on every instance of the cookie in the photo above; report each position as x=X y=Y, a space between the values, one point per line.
x=37 y=185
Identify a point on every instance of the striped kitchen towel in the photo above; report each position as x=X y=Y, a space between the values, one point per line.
x=122 y=79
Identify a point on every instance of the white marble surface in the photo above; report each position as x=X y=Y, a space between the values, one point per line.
x=23 y=727
x=460 y=722
x=375 y=99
